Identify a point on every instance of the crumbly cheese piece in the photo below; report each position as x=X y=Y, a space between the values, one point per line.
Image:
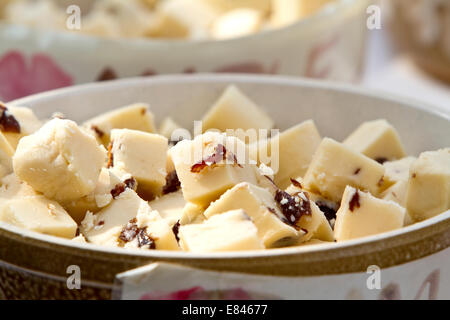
x=136 y=117
x=170 y=206
x=285 y=12
x=209 y=165
x=361 y=215
x=229 y=231
x=153 y=232
x=19 y=122
x=261 y=207
x=59 y=160
x=287 y=158
x=39 y=214
x=334 y=166
x=114 y=224
x=234 y=110
x=143 y=155
x=429 y=185
x=6 y=154
x=377 y=140
x=237 y=23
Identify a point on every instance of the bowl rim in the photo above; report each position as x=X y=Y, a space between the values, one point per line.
x=326 y=11
x=236 y=79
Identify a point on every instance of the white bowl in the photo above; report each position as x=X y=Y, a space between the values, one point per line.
x=336 y=109
x=328 y=45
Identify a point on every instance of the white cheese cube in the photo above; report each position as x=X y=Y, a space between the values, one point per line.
x=397 y=193
x=429 y=185
x=234 y=110
x=261 y=207
x=209 y=165
x=315 y=224
x=143 y=155
x=361 y=215
x=229 y=231
x=39 y=214
x=12 y=187
x=148 y=231
x=285 y=12
x=119 y=224
x=289 y=153
x=59 y=160
x=377 y=140
x=334 y=166
x=170 y=206
x=17 y=122
x=136 y=117
x=237 y=23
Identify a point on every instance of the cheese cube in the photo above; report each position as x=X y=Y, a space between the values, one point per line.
x=59 y=160
x=334 y=166
x=377 y=140
x=397 y=193
x=429 y=185
x=143 y=155
x=285 y=12
x=234 y=110
x=315 y=224
x=170 y=206
x=237 y=23
x=229 y=231
x=6 y=154
x=361 y=215
x=136 y=117
x=39 y=214
x=289 y=153
x=153 y=232
x=209 y=165
x=12 y=187
x=17 y=122
x=261 y=207
x=119 y=224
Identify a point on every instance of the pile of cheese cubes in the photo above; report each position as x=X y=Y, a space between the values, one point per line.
x=117 y=181
x=191 y=19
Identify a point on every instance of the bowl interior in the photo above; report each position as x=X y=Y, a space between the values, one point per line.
x=336 y=109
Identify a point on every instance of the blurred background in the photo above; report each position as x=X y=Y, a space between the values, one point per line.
x=394 y=46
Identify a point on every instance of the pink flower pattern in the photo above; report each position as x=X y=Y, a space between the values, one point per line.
x=19 y=79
